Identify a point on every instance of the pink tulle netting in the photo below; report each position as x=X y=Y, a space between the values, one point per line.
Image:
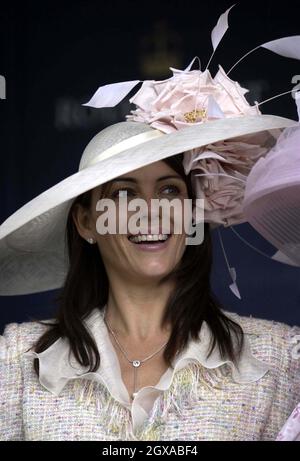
x=272 y=194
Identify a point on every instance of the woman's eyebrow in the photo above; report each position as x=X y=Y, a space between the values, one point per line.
x=128 y=179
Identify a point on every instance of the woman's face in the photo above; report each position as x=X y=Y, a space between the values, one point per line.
x=140 y=260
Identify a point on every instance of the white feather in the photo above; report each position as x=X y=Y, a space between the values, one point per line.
x=286 y=46
x=110 y=95
x=220 y=28
x=218 y=32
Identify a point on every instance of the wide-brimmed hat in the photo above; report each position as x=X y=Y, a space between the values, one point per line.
x=33 y=254
x=208 y=119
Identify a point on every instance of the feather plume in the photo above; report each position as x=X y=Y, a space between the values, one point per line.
x=288 y=47
x=219 y=31
x=110 y=95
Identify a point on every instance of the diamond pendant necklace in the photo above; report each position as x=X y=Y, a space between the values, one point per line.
x=135 y=363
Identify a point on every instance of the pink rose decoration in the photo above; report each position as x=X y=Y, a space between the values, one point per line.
x=195 y=97
x=189 y=97
x=230 y=162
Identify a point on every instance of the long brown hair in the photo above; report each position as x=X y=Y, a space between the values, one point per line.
x=86 y=287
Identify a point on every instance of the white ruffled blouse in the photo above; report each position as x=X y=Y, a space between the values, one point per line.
x=56 y=370
x=199 y=399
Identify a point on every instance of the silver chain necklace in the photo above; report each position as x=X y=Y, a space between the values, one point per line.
x=135 y=363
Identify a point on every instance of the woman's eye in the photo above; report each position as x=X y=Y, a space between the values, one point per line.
x=118 y=193
x=173 y=189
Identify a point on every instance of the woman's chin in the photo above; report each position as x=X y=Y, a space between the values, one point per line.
x=152 y=272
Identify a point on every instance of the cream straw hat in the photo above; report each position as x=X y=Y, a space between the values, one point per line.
x=208 y=119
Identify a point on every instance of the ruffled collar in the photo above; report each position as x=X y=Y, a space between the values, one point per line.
x=191 y=371
x=56 y=369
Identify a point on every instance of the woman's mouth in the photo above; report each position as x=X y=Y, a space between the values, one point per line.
x=150 y=242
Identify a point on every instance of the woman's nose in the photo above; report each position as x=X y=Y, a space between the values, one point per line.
x=148 y=196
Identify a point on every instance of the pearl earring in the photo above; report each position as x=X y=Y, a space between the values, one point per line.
x=90 y=240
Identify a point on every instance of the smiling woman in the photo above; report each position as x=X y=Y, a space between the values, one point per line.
x=151 y=294
x=139 y=337
x=140 y=348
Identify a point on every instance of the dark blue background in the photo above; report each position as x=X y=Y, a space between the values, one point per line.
x=54 y=55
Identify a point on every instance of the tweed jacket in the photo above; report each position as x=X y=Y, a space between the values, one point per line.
x=199 y=398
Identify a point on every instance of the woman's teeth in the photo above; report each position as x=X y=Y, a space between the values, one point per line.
x=148 y=238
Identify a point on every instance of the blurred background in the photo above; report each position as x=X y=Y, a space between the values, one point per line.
x=54 y=56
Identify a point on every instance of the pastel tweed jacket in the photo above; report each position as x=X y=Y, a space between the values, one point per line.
x=199 y=399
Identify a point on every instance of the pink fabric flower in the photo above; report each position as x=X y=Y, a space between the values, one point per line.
x=230 y=161
x=189 y=97
x=291 y=429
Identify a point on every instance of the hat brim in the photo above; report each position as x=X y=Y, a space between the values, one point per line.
x=33 y=255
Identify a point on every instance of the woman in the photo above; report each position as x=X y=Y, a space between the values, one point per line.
x=140 y=348
x=151 y=298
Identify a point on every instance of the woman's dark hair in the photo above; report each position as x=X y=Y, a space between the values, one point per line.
x=192 y=301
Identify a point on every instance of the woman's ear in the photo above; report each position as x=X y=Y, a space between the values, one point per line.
x=82 y=220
